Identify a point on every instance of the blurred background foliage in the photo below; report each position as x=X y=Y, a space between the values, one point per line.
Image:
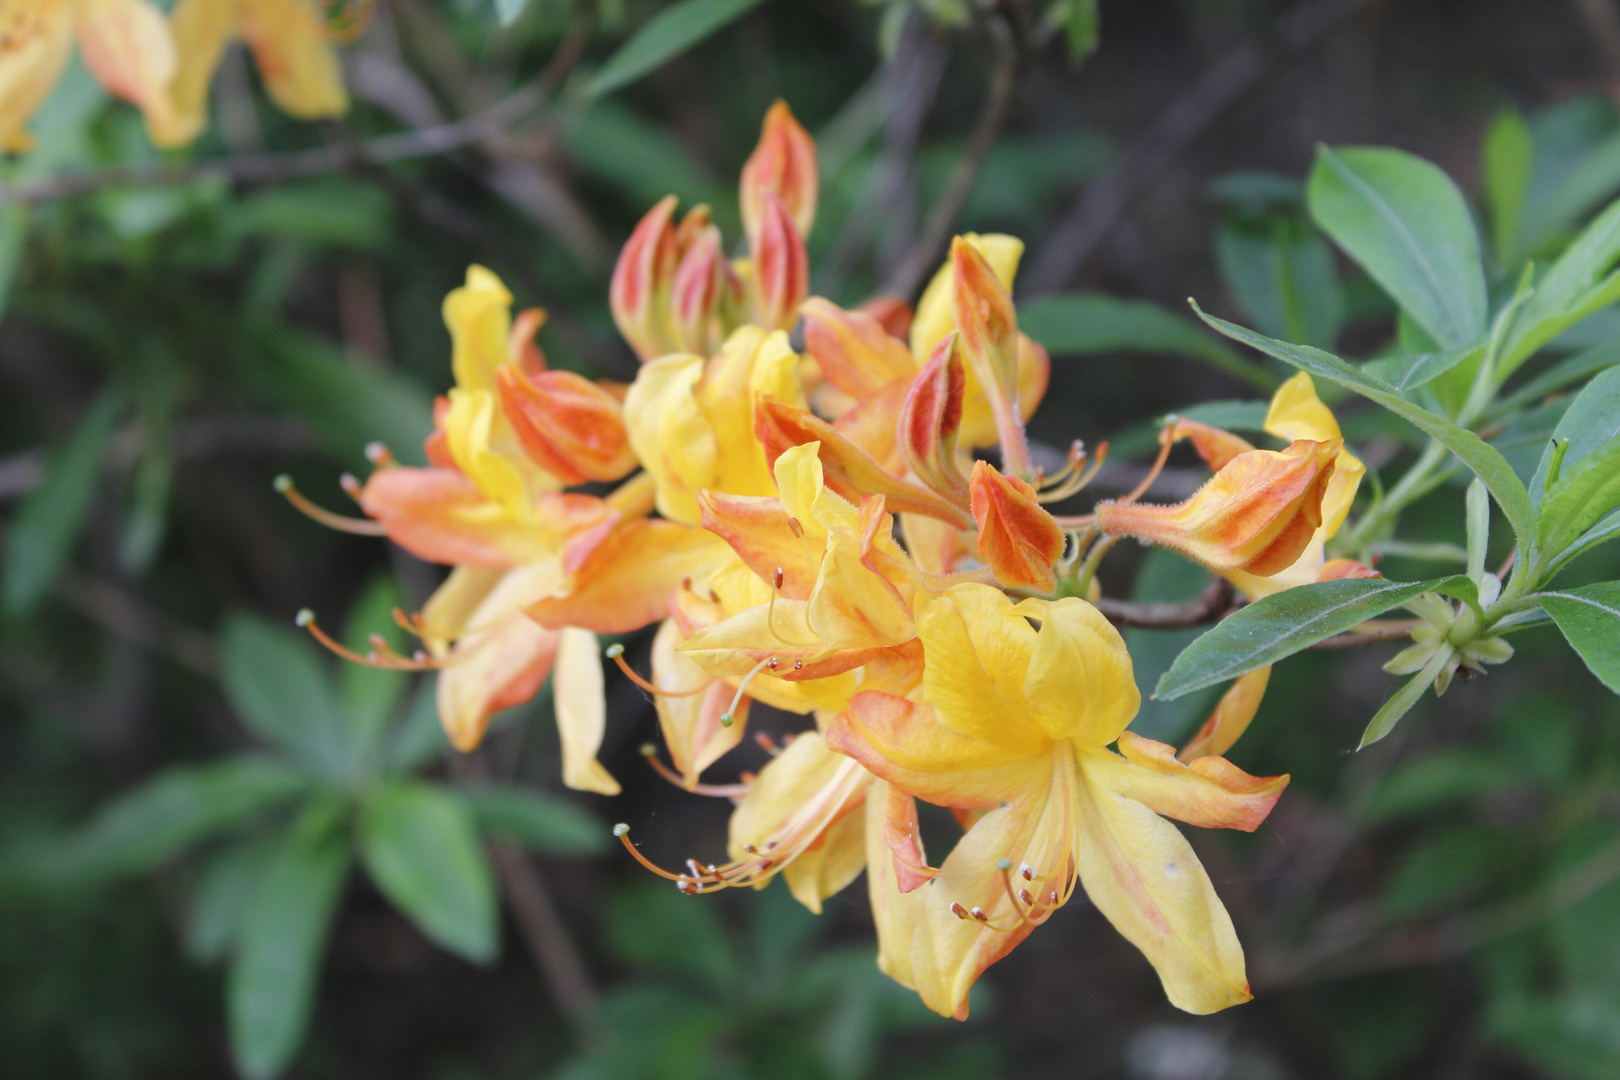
x=221 y=851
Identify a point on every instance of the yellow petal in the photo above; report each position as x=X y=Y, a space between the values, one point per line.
x=479 y=317
x=293 y=50
x=505 y=658
x=1231 y=716
x=671 y=436
x=691 y=724
x=450 y=611
x=1297 y=413
x=29 y=70
x=1211 y=793
x=852 y=607
x=1079 y=682
x=1143 y=876
x=581 y=711
x=201 y=29
x=825 y=870
x=934 y=318
x=977 y=652
x=750 y=363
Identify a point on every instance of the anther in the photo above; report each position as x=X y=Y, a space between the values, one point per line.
x=1023 y=894
x=351 y=485
x=303 y=618
x=958 y=910
x=773 y=663
x=358 y=526
x=795 y=528
x=1027 y=872
x=779 y=576
x=726 y=719
x=797 y=664
x=621 y=829
x=1003 y=865
x=379 y=455
x=750 y=849
x=648 y=750
x=614 y=651
x=979 y=915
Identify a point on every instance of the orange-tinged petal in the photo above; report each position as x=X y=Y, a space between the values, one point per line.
x=930 y=418
x=795 y=803
x=855 y=352
x=1018 y=539
x=1341 y=569
x=1258 y=514
x=702 y=284
x=1297 y=413
x=1231 y=716
x=201 y=30
x=570 y=427
x=978 y=421
x=984 y=314
x=504 y=658
x=935 y=315
x=449 y=612
x=758 y=530
x=892 y=313
x=581 y=711
x=935 y=547
x=872 y=424
x=783 y=164
x=922 y=942
x=904 y=743
x=848 y=470
x=127 y=46
x=1142 y=875
x=852 y=606
x=440 y=516
x=1211 y=792
x=642 y=279
x=781 y=268
x=691 y=724
x=292 y=49
x=1215 y=446
x=900 y=829
x=626 y=581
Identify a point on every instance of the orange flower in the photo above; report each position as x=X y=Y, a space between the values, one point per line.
x=1257 y=514
x=1017 y=538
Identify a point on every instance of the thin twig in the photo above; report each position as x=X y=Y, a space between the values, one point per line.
x=127 y=617
x=1107 y=200
x=1604 y=24
x=272 y=167
x=1212 y=605
x=909 y=274
x=554 y=953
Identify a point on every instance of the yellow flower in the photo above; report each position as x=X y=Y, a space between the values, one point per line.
x=124 y=43
x=1016 y=722
x=292 y=46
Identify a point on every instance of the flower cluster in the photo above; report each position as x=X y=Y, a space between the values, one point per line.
x=801 y=512
x=164 y=64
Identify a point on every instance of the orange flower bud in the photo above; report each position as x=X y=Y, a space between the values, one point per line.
x=855 y=352
x=1340 y=569
x=1257 y=514
x=984 y=314
x=783 y=164
x=847 y=469
x=781 y=267
x=1017 y=538
x=703 y=281
x=569 y=426
x=929 y=420
x=639 y=294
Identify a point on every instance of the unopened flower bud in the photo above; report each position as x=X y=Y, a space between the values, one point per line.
x=568 y=425
x=781 y=276
x=1018 y=539
x=642 y=282
x=784 y=165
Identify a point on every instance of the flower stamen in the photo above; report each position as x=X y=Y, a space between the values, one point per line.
x=357 y=526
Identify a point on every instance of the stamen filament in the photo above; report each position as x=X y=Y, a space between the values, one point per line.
x=615 y=653
x=388 y=661
x=1153 y=473
x=736 y=699
x=357 y=526
x=719 y=791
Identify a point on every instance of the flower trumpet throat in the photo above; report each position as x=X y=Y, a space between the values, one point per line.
x=1257 y=514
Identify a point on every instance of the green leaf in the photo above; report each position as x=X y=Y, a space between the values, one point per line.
x=370 y=695
x=420 y=847
x=1569 y=292
x=49 y=520
x=223 y=896
x=1572 y=369
x=1281 y=272
x=276 y=683
x=1590 y=619
x=177 y=809
x=1509 y=163
x=534 y=819
x=1422 y=784
x=1584 y=493
x=508 y=10
x=1282 y=624
x=1078 y=324
x=1591 y=422
x=1410 y=372
x=271 y=988
x=1487 y=463
x=1406 y=223
x=666 y=35
x=652 y=929
x=1083 y=26
x=1384 y=721
x=1601 y=533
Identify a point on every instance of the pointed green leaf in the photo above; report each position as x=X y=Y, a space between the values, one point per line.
x=666 y=35
x=1509 y=164
x=1384 y=721
x=420 y=847
x=276 y=682
x=1591 y=422
x=271 y=988
x=1080 y=324
x=1572 y=289
x=1410 y=372
x=418 y=735
x=371 y=695
x=1573 y=369
x=534 y=819
x=1601 y=533
x=1408 y=226
x=1585 y=492
x=508 y=10
x=42 y=534
x=1282 y=624
x=1281 y=272
x=1590 y=619
x=1083 y=25
x=224 y=895
x=1487 y=463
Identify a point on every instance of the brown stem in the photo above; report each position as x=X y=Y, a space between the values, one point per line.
x=128 y=618
x=554 y=953
x=1370 y=633
x=1214 y=604
x=909 y=274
